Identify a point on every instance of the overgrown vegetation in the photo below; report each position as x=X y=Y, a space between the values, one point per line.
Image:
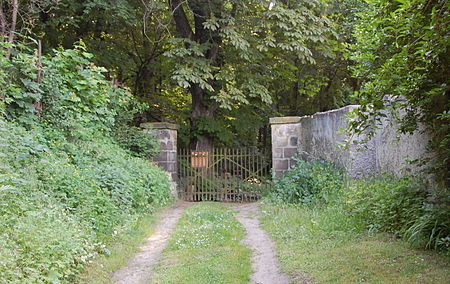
x=333 y=229
x=327 y=245
x=308 y=183
x=66 y=187
x=71 y=169
x=402 y=206
x=402 y=50
x=239 y=54
x=205 y=248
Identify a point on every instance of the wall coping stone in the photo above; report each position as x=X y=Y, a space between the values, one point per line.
x=159 y=125
x=297 y=119
x=284 y=120
x=347 y=107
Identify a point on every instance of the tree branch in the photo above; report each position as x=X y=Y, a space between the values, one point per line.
x=181 y=21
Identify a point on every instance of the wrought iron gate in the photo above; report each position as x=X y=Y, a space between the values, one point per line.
x=238 y=175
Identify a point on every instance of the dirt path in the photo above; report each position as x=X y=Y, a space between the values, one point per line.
x=264 y=262
x=138 y=269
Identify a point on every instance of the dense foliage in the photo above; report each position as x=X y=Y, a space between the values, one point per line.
x=402 y=50
x=308 y=183
x=66 y=186
x=400 y=206
x=256 y=59
x=71 y=167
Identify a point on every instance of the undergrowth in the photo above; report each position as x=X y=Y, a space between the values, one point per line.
x=324 y=244
x=66 y=186
x=330 y=229
x=403 y=206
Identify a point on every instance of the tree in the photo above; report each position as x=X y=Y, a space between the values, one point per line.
x=402 y=50
x=18 y=16
x=230 y=59
x=226 y=49
x=304 y=88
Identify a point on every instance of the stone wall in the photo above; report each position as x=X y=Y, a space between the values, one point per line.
x=319 y=136
x=166 y=134
x=395 y=151
x=285 y=134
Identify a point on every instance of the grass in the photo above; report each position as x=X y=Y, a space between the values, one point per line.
x=124 y=246
x=205 y=248
x=327 y=246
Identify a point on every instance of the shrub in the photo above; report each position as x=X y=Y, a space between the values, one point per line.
x=66 y=187
x=139 y=144
x=401 y=206
x=40 y=239
x=308 y=182
x=75 y=92
x=386 y=203
x=60 y=200
x=432 y=228
x=101 y=181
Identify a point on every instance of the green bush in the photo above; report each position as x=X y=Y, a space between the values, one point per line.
x=308 y=182
x=386 y=203
x=58 y=207
x=139 y=143
x=66 y=187
x=402 y=206
x=40 y=239
x=432 y=228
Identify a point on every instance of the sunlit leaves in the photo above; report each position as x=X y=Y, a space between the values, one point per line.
x=403 y=50
x=245 y=36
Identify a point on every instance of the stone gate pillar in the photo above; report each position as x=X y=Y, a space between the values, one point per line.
x=285 y=135
x=166 y=134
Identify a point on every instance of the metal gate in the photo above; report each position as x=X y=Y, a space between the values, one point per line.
x=228 y=175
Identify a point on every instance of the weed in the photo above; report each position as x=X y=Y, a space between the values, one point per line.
x=205 y=248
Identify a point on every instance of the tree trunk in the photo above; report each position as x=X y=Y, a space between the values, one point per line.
x=2 y=22
x=199 y=112
x=12 y=29
x=202 y=105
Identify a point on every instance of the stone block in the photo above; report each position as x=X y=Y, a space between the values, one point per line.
x=277 y=153
x=281 y=164
x=168 y=166
x=159 y=125
x=167 y=145
x=161 y=157
x=291 y=129
x=278 y=174
x=163 y=134
x=284 y=120
x=172 y=156
x=289 y=152
x=280 y=142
